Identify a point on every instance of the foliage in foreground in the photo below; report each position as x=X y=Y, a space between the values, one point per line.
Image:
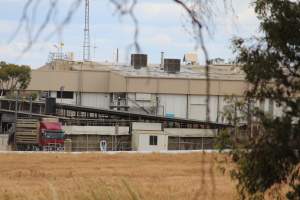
x=272 y=65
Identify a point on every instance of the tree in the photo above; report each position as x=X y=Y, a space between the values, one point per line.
x=272 y=65
x=14 y=77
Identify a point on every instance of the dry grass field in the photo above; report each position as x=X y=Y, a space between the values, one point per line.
x=121 y=176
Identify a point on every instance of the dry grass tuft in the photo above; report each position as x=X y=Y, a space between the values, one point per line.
x=99 y=176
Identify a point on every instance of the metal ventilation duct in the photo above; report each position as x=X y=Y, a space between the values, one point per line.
x=139 y=60
x=172 y=65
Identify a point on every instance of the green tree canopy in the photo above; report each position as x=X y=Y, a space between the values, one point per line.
x=272 y=65
x=14 y=77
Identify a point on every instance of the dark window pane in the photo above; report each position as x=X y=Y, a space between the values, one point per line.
x=153 y=140
x=65 y=94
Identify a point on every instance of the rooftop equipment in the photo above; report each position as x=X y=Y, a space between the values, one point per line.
x=139 y=60
x=171 y=65
x=190 y=58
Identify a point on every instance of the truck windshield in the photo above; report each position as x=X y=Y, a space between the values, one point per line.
x=54 y=134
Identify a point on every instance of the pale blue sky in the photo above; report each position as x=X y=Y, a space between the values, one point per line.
x=161 y=29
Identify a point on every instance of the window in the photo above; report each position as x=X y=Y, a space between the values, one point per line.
x=64 y=95
x=44 y=94
x=54 y=134
x=153 y=140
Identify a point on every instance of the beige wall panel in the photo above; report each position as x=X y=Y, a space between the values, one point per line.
x=214 y=87
x=143 y=85
x=233 y=87
x=117 y=83
x=173 y=86
x=53 y=80
x=198 y=87
x=104 y=81
x=95 y=81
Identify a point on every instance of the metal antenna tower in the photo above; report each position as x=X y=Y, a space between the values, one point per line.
x=86 y=42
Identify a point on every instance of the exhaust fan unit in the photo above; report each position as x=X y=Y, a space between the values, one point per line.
x=139 y=60
x=172 y=65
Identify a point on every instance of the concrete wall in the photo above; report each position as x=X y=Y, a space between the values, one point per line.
x=141 y=141
x=3 y=142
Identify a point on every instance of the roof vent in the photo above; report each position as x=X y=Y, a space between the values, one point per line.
x=139 y=60
x=172 y=65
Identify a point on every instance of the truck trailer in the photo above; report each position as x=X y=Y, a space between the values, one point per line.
x=38 y=135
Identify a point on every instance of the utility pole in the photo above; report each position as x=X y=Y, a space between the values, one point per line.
x=86 y=41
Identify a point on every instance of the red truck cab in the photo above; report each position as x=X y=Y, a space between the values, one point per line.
x=51 y=136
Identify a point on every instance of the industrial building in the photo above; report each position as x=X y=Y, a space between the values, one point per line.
x=171 y=88
x=136 y=106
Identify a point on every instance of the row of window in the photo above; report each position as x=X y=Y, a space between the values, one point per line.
x=59 y=94
x=70 y=95
x=65 y=94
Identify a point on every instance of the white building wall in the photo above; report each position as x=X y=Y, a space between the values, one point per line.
x=141 y=142
x=98 y=100
x=213 y=108
x=183 y=106
x=222 y=104
x=197 y=107
x=173 y=104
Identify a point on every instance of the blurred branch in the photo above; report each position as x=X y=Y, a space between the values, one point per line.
x=125 y=7
x=198 y=28
x=22 y=20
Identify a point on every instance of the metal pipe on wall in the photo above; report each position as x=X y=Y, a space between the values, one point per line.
x=162 y=59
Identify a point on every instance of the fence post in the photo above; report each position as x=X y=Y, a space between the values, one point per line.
x=30 y=106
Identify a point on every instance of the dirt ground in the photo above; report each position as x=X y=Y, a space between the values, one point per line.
x=120 y=176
